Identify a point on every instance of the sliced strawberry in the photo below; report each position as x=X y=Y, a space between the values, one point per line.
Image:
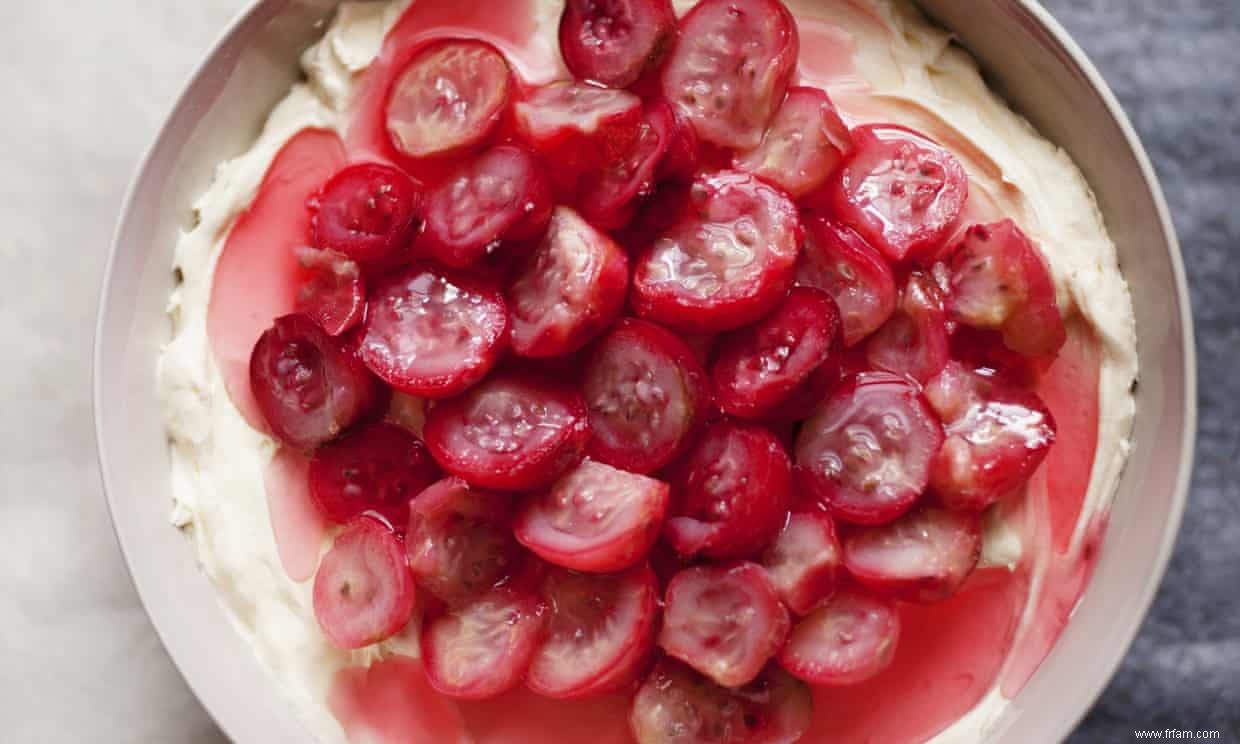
x=675 y=705
x=647 y=395
x=724 y=621
x=363 y=592
x=996 y=436
x=999 y=281
x=804 y=143
x=368 y=212
x=836 y=260
x=866 y=452
x=600 y=632
x=332 y=291
x=379 y=468
x=848 y=640
x=510 y=433
x=760 y=367
x=459 y=540
x=914 y=341
x=482 y=648
x=308 y=386
x=899 y=190
x=596 y=519
x=731 y=68
x=433 y=334
x=449 y=98
x=612 y=42
x=609 y=197
x=570 y=289
x=501 y=195
x=922 y=557
x=734 y=492
x=727 y=262
x=804 y=560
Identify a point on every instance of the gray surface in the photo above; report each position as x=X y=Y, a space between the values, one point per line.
x=87 y=84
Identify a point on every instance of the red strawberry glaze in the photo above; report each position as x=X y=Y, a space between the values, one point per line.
x=298 y=527
x=391 y=701
x=257 y=275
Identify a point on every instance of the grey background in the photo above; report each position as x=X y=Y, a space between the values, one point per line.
x=86 y=84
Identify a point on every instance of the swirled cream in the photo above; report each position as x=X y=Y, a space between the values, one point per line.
x=880 y=60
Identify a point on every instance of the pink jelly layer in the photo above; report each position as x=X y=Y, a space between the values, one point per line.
x=950 y=653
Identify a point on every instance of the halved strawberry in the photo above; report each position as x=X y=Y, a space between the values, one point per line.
x=760 y=367
x=899 y=190
x=802 y=145
x=379 y=468
x=922 y=557
x=596 y=518
x=804 y=560
x=363 y=592
x=308 y=386
x=368 y=212
x=433 y=334
x=849 y=639
x=999 y=281
x=836 y=260
x=502 y=195
x=613 y=42
x=727 y=262
x=731 y=68
x=914 y=341
x=460 y=540
x=600 y=631
x=332 y=291
x=733 y=493
x=510 y=433
x=647 y=395
x=866 y=452
x=482 y=648
x=675 y=705
x=449 y=98
x=724 y=621
x=996 y=436
x=569 y=290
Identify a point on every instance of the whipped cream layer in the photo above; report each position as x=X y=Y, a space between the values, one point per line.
x=897 y=68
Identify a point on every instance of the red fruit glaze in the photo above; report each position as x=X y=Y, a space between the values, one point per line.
x=433 y=334
x=610 y=195
x=647 y=394
x=569 y=290
x=332 y=292
x=914 y=341
x=760 y=367
x=922 y=557
x=866 y=452
x=733 y=495
x=804 y=143
x=901 y=192
x=612 y=42
x=363 y=592
x=677 y=706
x=727 y=262
x=379 y=468
x=307 y=386
x=836 y=260
x=596 y=518
x=600 y=631
x=731 y=68
x=996 y=435
x=847 y=640
x=999 y=281
x=368 y=212
x=459 y=540
x=502 y=195
x=725 y=622
x=804 y=560
x=448 y=98
x=482 y=648
x=510 y=433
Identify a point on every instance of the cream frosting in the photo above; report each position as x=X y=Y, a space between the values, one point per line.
x=907 y=68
